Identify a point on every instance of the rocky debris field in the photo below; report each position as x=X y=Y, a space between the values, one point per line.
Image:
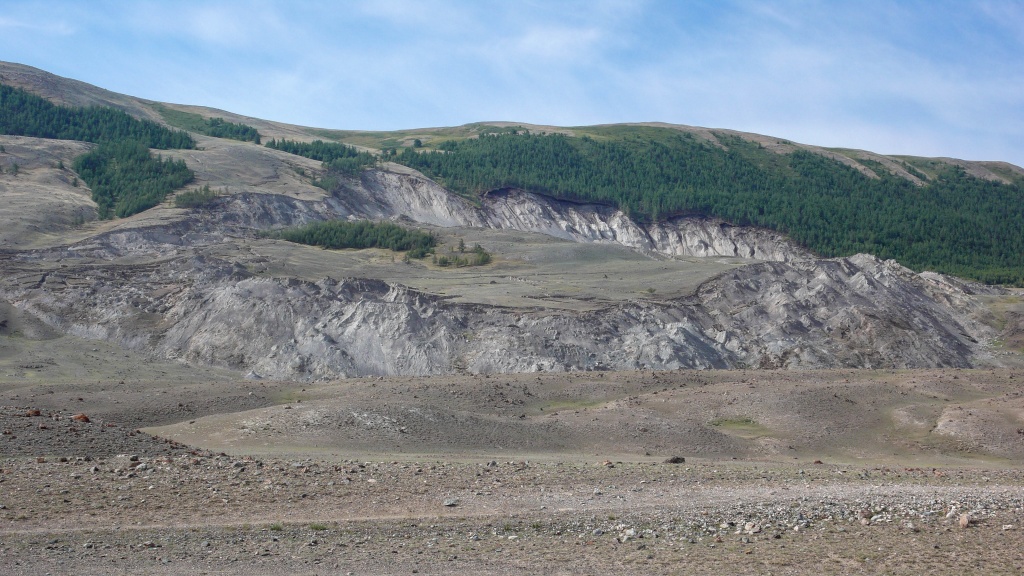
x=74 y=436
x=199 y=513
x=87 y=488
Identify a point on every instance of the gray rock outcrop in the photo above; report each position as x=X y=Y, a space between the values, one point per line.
x=850 y=312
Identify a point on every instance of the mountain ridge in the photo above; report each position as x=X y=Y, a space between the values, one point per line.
x=71 y=92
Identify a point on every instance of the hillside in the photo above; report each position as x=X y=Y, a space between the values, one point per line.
x=946 y=215
x=574 y=277
x=222 y=356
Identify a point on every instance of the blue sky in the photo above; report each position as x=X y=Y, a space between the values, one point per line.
x=930 y=78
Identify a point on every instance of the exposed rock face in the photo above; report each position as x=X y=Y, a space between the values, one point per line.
x=518 y=210
x=787 y=312
x=406 y=194
x=851 y=312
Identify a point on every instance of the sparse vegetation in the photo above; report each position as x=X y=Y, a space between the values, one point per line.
x=743 y=427
x=336 y=234
x=476 y=257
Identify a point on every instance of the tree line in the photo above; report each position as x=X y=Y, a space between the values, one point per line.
x=477 y=256
x=197 y=198
x=124 y=177
x=25 y=114
x=216 y=127
x=955 y=223
x=335 y=157
x=220 y=128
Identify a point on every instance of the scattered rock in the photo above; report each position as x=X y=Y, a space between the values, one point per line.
x=81 y=418
x=675 y=460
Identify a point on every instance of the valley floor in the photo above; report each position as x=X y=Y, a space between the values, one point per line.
x=104 y=497
x=205 y=514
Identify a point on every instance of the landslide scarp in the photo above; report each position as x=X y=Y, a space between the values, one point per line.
x=855 y=312
x=573 y=285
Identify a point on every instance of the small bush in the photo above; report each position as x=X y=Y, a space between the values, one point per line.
x=198 y=198
x=476 y=257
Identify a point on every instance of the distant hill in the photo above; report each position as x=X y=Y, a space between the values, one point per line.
x=954 y=216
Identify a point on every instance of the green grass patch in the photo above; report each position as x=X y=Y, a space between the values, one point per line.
x=216 y=127
x=742 y=427
x=559 y=405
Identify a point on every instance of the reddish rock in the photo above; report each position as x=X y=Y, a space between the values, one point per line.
x=80 y=418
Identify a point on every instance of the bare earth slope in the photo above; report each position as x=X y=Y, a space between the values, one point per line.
x=200 y=286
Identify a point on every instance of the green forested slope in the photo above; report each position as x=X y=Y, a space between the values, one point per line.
x=124 y=177
x=955 y=223
x=337 y=157
x=25 y=114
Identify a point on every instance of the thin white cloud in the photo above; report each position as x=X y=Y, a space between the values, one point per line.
x=942 y=73
x=57 y=28
x=557 y=43
x=254 y=26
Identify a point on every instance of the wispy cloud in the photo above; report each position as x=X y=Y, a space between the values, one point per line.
x=48 y=27
x=936 y=77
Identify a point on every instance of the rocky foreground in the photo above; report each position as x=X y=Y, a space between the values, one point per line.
x=81 y=506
